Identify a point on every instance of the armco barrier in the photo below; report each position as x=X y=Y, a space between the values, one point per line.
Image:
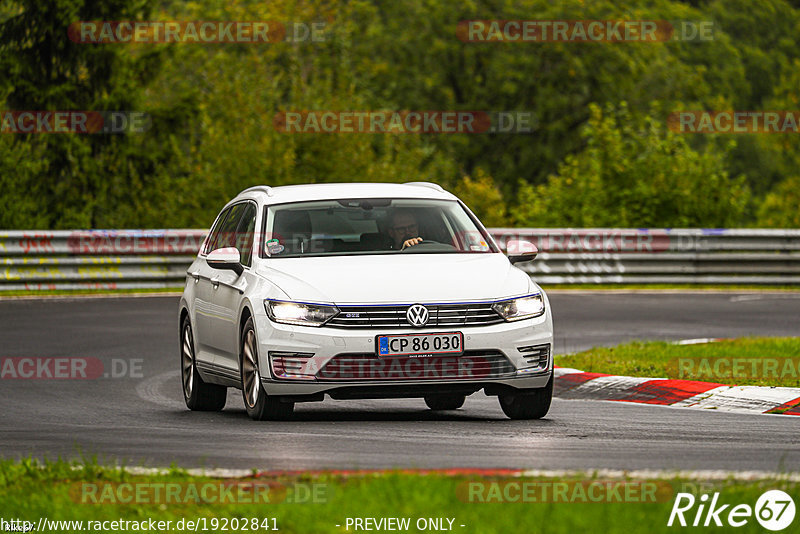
x=117 y=259
x=660 y=256
x=96 y=259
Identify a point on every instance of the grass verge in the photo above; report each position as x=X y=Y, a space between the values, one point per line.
x=485 y=504
x=745 y=361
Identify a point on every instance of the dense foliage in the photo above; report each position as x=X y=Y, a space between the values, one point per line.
x=600 y=155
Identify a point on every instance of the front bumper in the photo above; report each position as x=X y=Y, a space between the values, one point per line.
x=315 y=360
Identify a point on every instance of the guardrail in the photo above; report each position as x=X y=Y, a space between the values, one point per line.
x=118 y=259
x=661 y=256
x=96 y=259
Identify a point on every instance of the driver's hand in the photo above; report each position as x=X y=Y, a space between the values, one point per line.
x=411 y=242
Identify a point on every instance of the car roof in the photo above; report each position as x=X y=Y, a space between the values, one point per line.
x=298 y=193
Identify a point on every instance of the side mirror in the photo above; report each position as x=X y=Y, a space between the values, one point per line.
x=225 y=258
x=519 y=250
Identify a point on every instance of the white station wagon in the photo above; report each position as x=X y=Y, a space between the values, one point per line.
x=361 y=291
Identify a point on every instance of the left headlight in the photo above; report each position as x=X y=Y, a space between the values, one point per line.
x=299 y=313
x=521 y=308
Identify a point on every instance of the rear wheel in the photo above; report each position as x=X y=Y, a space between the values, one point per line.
x=532 y=404
x=258 y=404
x=198 y=395
x=445 y=402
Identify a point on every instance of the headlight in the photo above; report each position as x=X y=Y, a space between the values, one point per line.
x=521 y=308
x=299 y=313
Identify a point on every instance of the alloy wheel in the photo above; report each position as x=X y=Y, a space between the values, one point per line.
x=187 y=361
x=251 y=377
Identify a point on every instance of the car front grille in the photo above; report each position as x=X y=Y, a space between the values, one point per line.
x=473 y=314
x=472 y=365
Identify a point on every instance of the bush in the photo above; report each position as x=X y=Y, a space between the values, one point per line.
x=484 y=198
x=634 y=173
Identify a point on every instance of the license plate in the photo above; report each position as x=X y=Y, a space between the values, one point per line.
x=420 y=345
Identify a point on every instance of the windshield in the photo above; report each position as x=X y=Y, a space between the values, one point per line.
x=372 y=226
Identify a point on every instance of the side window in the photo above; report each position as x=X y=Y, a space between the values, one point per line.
x=227 y=231
x=245 y=234
x=214 y=233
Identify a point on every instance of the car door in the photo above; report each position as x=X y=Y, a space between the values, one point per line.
x=203 y=308
x=227 y=293
x=209 y=312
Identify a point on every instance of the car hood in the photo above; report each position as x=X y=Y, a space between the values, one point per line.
x=406 y=278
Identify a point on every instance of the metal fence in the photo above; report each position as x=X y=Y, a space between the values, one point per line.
x=117 y=259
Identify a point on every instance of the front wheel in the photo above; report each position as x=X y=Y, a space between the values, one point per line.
x=198 y=395
x=445 y=402
x=258 y=404
x=529 y=404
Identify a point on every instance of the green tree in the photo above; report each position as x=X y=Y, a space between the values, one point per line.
x=484 y=198
x=21 y=165
x=780 y=208
x=633 y=172
x=212 y=107
x=82 y=180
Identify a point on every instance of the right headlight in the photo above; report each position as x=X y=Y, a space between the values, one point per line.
x=299 y=313
x=521 y=308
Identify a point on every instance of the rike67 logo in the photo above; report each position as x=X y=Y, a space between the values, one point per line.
x=774 y=511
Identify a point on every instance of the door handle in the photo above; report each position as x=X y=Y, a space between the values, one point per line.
x=195 y=275
x=215 y=282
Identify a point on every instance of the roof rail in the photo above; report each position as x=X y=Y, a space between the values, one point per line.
x=262 y=188
x=429 y=185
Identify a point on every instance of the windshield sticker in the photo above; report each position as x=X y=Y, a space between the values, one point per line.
x=273 y=247
x=477 y=244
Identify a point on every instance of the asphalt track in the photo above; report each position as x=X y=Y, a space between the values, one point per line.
x=141 y=419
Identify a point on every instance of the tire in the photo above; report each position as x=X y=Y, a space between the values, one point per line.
x=532 y=404
x=445 y=402
x=259 y=405
x=198 y=395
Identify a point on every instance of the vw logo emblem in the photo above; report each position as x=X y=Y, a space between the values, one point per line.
x=417 y=315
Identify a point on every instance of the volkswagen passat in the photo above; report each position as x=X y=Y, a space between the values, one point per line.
x=361 y=291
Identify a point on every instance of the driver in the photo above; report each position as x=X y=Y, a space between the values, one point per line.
x=403 y=229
